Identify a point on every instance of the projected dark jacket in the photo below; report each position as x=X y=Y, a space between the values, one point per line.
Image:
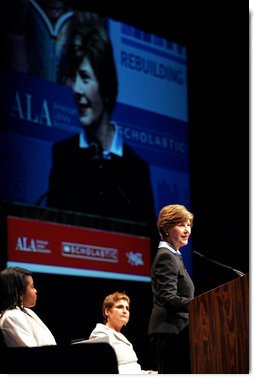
x=81 y=180
x=172 y=292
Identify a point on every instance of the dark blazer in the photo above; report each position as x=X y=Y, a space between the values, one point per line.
x=81 y=181
x=173 y=290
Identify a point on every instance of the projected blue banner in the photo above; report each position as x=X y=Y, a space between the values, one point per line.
x=151 y=114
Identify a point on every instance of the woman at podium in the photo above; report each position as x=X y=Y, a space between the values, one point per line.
x=173 y=290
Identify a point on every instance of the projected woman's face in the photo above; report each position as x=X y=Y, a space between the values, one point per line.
x=87 y=94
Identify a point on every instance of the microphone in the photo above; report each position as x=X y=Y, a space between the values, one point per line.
x=97 y=155
x=41 y=198
x=95 y=144
x=239 y=273
x=55 y=188
x=123 y=194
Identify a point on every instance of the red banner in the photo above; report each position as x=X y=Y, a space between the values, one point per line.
x=66 y=246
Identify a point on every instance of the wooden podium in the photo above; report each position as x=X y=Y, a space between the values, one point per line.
x=219 y=329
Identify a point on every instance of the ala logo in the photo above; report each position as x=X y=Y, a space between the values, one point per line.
x=23 y=109
x=135 y=258
x=32 y=245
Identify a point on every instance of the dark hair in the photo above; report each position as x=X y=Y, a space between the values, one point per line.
x=90 y=40
x=13 y=283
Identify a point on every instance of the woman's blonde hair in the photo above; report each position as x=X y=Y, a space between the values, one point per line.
x=172 y=215
x=110 y=301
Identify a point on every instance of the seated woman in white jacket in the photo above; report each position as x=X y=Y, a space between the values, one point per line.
x=20 y=326
x=116 y=313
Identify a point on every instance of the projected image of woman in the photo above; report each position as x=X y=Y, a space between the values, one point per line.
x=95 y=171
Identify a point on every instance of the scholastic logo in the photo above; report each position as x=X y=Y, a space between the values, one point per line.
x=135 y=258
x=83 y=251
x=32 y=245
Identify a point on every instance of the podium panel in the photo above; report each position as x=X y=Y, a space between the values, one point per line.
x=219 y=329
x=97 y=358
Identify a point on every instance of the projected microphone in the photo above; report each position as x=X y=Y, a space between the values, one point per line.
x=95 y=144
x=239 y=273
x=45 y=194
x=55 y=188
x=41 y=198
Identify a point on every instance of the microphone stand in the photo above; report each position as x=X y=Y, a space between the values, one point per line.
x=239 y=273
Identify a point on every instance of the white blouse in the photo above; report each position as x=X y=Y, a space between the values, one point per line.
x=125 y=354
x=24 y=328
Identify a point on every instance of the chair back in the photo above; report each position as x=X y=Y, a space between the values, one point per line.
x=3 y=345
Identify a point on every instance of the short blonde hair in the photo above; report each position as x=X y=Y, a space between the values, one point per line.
x=110 y=301
x=172 y=215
